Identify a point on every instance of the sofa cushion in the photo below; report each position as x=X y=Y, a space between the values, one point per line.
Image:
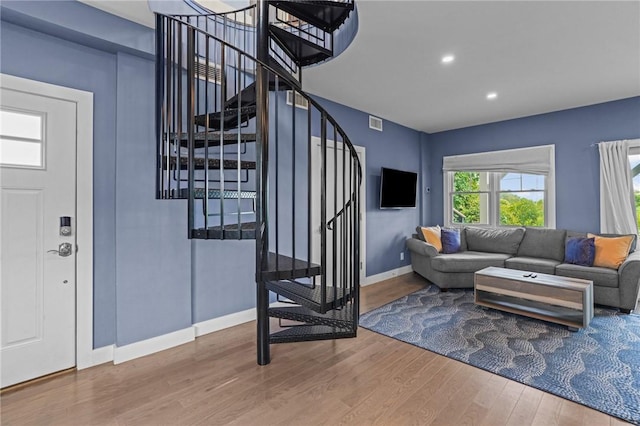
x=494 y=240
x=532 y=264
x=573 y=234
x=603 y=277
x=463 y=239
x=543 y=243
x=467 y=261
x=421 y=248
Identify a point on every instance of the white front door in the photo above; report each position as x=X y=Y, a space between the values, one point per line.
x=336 y=197
x=38 y=263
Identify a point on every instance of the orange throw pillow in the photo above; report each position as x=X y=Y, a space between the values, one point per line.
x=611 y=252
x=432 y=236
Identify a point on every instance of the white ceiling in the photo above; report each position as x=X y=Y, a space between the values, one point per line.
x=539 y=56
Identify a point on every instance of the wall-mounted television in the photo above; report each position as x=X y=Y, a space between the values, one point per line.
x=397 y=189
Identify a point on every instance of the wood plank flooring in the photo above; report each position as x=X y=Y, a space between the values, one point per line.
x=369 y=380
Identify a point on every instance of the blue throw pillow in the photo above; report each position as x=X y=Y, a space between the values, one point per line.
x=450 y=240
x=580 y=251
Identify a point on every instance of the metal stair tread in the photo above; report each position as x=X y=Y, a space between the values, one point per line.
x=248 y=95
x=327 y=15
x=286 y=80
x=212 y=138
x=213 y=163
x=230 y=117
x=310 y=297
x=335 y=318
x=246 y=231
x=281 y=267
x=306 y=333
x=216 y=194
x=303 y=51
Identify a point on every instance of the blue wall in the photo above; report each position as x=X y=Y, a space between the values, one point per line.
x=153 y=257
x=573 y=132
x=149 y=279
x=36 y=56
x=397 y=147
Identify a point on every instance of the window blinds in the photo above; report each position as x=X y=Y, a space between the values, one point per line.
x=533 y=160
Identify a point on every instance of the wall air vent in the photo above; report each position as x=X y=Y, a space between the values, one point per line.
x=301 y=102
x=375 y=123
x=208 y=71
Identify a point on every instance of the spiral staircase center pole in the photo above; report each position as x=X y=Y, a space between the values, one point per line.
x=262 y=166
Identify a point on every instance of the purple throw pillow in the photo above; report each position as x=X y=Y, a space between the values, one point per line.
x=450 y=240
x=580 y=251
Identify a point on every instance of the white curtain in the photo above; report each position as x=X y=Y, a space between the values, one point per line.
x=617 y=202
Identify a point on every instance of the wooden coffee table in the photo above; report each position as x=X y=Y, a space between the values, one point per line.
x=562 y=300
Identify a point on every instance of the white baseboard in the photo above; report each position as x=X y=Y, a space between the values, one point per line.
x=97 y=357
x=226 y=321
x=120 y=354
x=231 y=320
x=386 y=275
x=153 y=345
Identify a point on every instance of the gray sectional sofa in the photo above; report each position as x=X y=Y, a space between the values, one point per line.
x=529 y=249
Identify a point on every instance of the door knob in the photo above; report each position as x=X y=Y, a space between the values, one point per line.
x=64 y=250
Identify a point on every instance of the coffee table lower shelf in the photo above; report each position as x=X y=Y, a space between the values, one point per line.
x=561 y=300
x=557 y=314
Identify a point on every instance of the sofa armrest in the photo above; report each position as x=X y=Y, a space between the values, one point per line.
x=421 y=248
x=629 y=280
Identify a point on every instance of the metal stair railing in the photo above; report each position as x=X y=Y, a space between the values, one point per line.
x=237 y=28
x=294 y=217
x=188 y=93
x=302 y=29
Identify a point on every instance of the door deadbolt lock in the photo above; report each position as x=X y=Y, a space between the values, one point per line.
x=64 y=250
x=65 y=226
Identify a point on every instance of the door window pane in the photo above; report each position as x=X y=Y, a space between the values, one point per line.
x=20 y=153
x=20 y=125
x=21 y=139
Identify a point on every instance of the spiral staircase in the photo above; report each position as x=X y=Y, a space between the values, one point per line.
x=258 y=158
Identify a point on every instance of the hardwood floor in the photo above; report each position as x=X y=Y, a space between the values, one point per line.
x=371 y=379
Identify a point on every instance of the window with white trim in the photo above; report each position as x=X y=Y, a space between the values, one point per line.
x=634 y=164
x=501 y=188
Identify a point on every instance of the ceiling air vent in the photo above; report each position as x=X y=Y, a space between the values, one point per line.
x=375 y=123
x=301 y=101
x=208 y=71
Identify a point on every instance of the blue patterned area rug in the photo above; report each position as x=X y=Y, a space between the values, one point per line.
x=598 y=366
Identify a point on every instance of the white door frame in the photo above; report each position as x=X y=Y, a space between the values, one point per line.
x=361 y=151
x=84 y=204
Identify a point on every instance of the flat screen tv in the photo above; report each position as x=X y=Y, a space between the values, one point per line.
x=397 y=189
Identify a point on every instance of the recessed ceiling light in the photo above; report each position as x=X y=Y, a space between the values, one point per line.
x=492 y=95
x=448 y=59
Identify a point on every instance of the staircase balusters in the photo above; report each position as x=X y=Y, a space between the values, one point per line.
x=212 y=92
